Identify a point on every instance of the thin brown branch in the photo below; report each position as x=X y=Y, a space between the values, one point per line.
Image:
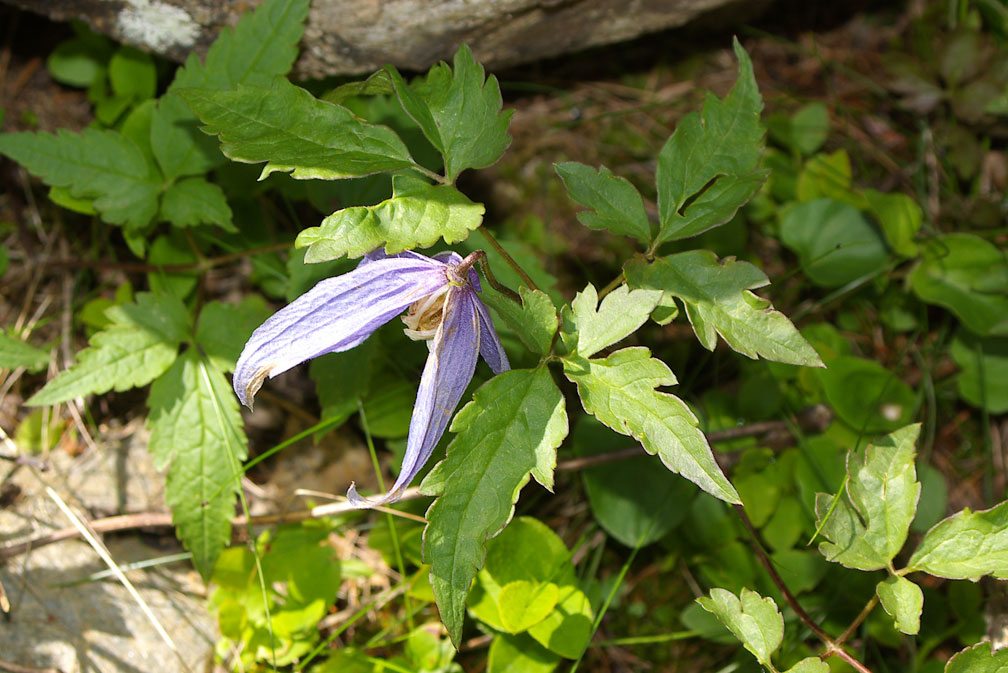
x=507 y=258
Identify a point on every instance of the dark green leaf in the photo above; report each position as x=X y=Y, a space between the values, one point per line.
x=535 y=321
x=418 y=214
x=195 y=427
x=193 y=201
x=513 y=425
x=718 y=301
x=101 y=166
x=223 y=329
x=866 y=395
x=715 y=206
x=614 y=203
x=459 y=112
x=983 y=370
x=620 y=392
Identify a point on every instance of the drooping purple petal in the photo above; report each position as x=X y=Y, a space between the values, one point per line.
x=449 y=369
x=335 y=315
x=490 y=345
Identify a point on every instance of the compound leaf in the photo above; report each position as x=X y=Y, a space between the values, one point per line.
x=417 y=214
x=513 y=425
x=622 y=311
x=718 y=301
x=620 y=392
x=296 y=133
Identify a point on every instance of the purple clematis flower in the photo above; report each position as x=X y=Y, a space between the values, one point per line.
x=440 y=298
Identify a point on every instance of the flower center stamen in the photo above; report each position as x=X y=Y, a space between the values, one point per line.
x=424 y=316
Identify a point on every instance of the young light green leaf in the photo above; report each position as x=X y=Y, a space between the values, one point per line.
x=195 y=428
x=296 y=133
x=523 y=604
x=139 y=345
x=417 y=214
x=967 y=545
x=459 y=112
x=101 y=166
x=16 y=353
x=754 y=620
x=715 y=206
x=725 y=139
x=978 y=659
x=718 y=301
x=535 y=321
x=513 y=425
x=223 y=329
x=192 y=201
x=620 y=392
x=615 y=204
x=900 y=218
x=903 y=601
x=263 y=45
x=810 y=665
x=952 y=274
x=882 y=492
x=621 y=313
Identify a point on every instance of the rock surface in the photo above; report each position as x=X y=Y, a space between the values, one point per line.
x=360 y=36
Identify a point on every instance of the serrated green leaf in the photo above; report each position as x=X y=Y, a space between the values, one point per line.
x=978 y=659
x=952 y=274
x=296 y=133
x=139 y=345
x=715 y=206
x=459 y=112
x=726 y=138
x=966 y=545
x=378 y=84
x=903 y=601
x=754 y=620
x=586 y=330
x=263 y=45
x=869 y=524
x=195 y=427
x=620 y=392
x=193 y=201
x=16 y=353
x=810 y=665
x=513 y=425
x=417 y=214
x=615 y=204
x=535 y=321
x=718 y=301
x=223 y=329
x=101 y=166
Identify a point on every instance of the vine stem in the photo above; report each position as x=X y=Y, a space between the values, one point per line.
x=833 y=647
x=508 y=258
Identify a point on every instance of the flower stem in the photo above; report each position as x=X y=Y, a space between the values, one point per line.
x=507 y=258
x=479 y=256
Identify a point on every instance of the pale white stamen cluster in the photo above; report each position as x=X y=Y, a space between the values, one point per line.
x=423 y=317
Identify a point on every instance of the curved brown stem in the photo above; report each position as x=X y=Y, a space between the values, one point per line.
x=508 y=258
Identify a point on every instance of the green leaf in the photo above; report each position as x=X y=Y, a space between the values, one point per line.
x=903 y=601
x=586 y=330
x=263 y=45
x=953 y=273
x=196 y=427
x=809 y=127
x=983 y=370
x=519 y=654
x=80 y=61
x=978 y=659
x=223 y=329
x=835 y=244
x=16 y=353
x=139 y=345
x=523 y=604
x=900 y=218
x=615 y=204
x=513 y=425
x=568 y=629
x=459 y=112
x=868 y=527
x=754 y=620
x=101 y=166
x=718 y=301
x=866 y=395
x=725 y=139
x=341 y=379
x=417 y=214
x=810 y=665
x=535 y=321
x=193 y=201
x=295 y=133
x=131 y=73
x=620 y=392
x=633 y=502
x=715 y=206
x=967 y=545
x=826 y=176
